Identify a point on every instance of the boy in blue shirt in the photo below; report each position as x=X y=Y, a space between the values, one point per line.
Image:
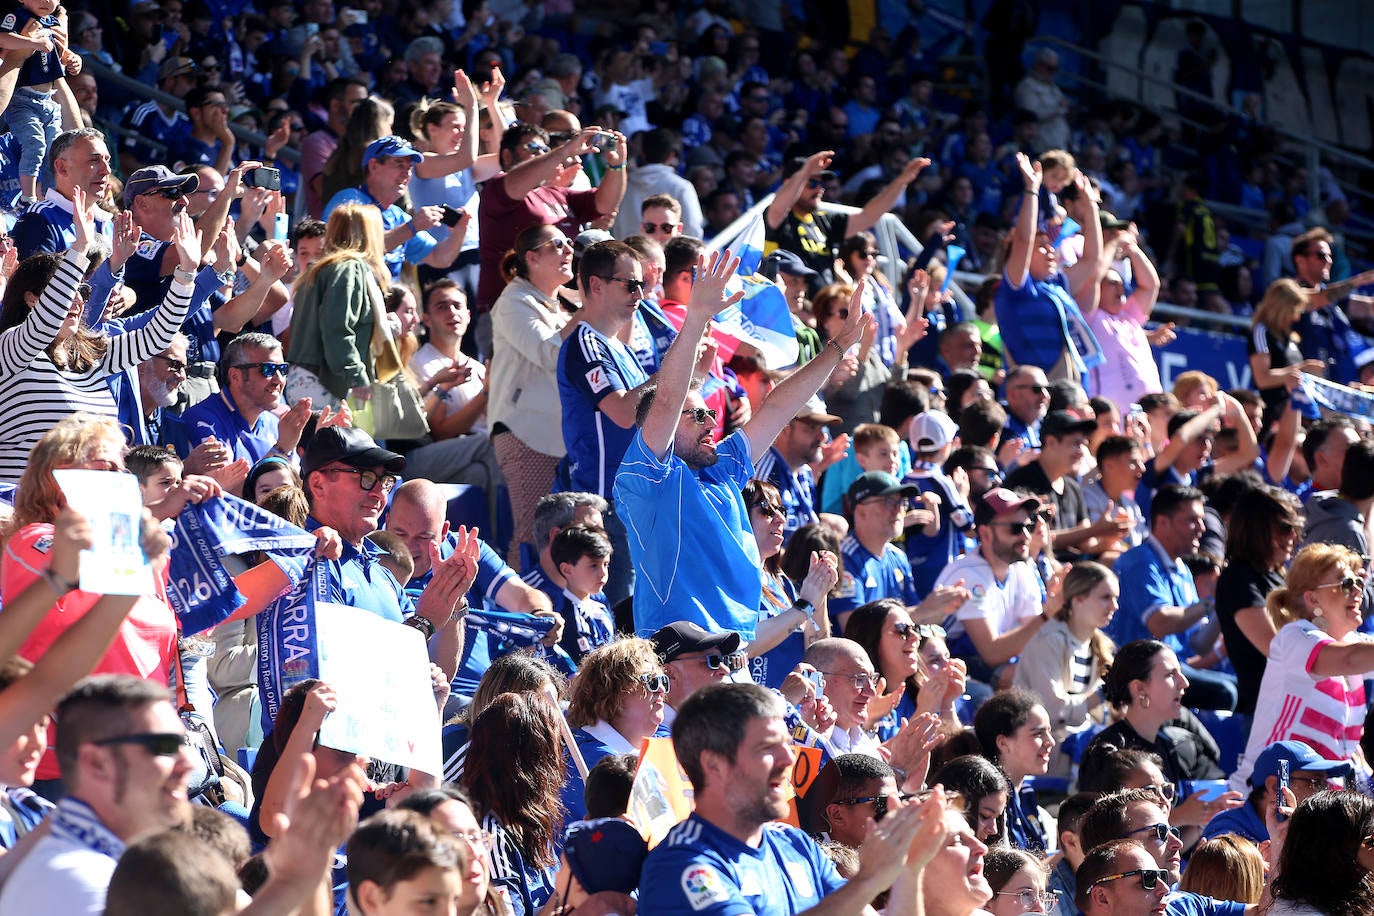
x=583 y=558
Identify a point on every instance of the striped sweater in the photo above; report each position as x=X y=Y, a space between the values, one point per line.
x=35 y=394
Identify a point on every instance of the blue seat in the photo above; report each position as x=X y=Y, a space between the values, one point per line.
x=1230 y=733
x=247 y=756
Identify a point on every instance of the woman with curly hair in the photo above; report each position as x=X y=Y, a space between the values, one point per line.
x=514 y=776
x=1327 y=858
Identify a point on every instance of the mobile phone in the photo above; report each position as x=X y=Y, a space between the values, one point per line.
x=818 y=681
x=452 y=215
x=312 y=29
x=280 y=227
x=263 y=177
x=353 y=17
x=604 y=140
x=1279 y=816
x=1212 y=789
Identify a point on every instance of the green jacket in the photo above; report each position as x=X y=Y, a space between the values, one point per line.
x=331 y=327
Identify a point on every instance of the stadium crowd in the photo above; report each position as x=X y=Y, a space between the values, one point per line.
x=453 y=340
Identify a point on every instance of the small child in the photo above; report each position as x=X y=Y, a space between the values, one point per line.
x=583 y=558
x=33 y=113
x=877 y=448
x=397 y=559
x=158 y=471
x=396 y=857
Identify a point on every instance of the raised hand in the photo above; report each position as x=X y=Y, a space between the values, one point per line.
x=231 y=476
x=492 y=88
x=708 y=289
x=185 y=241
x=83 y=223
x=291 y=424
x=452 y=578
x=276 y=263
x=464 y=93
x=125 y=240
x=71 y=535
x=1031 y=173
x=821 y=576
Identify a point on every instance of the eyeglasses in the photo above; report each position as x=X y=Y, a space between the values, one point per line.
x=768 y=510
x=1032 y=901
x=159 y=744
x=175 y=365
x=1162 y=832
x=631 y=284
x=475 y=838
x=1038 y=389
x=665 y=228
x=368 y=480
x=700 y=415
x=733 y=661
x=918 y=630
x=654 y=683
x=1315 y=782
x=869 y=254
x=814 y=183
x=534 y=146
x=887 y=502
x=1149 y=877
x=860 y=680
x=879 y=802
x=267 y=369
x=1025 y=527
x=83 y=290
x=1165 y=791
x=560 y=242
x=1349 y=586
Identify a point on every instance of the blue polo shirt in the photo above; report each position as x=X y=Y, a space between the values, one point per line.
x=797 y=490
x=365 y=583
x=219 y=418
x=413 y=250
x=693 y=550
x=190 y=151
x=48 y=226
x=1032 y=319
x=590 y=367
x=1150 y=580
x=147 y=120
x=39 y=67
x=700 y=870
x=1015 y=429
x=866 y=577
x=1183 y=903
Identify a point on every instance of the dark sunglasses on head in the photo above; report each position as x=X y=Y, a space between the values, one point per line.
x=700 y=415
x=267 y=369
x=1149 y=877
x=159 y=744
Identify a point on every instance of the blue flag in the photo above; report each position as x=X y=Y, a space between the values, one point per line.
x=762 y=317
x=200 y=587
x=288 y=641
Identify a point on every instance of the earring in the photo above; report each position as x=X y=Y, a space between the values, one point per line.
x=1144 y=701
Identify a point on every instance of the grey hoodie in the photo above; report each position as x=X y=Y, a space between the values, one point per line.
x=1333 y=520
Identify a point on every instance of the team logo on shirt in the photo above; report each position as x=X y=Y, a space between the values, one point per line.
x=596 y=379
x=146 y=249
x=703 y=886
x=43 y=544
x=846 y=587
x=978 y=591
x=9 y=22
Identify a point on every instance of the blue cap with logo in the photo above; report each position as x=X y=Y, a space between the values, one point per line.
x=391 y=146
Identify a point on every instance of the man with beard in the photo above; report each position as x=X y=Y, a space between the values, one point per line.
x=1005 y=609
x=1121 y=878
x=795 y=222
x=681 y=495
x=125 y=762
x=731 y=857
x=142 y=407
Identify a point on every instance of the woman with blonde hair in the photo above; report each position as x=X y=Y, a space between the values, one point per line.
x=529 y=320
x=333 y=325
x=1276 y=363
x=1064 y=661
x=1226 y=867
x=1312 y=690
x=1195 y=390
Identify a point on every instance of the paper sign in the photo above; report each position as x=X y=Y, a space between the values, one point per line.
x=661 y=794
x=380 y=672
x=111 y=502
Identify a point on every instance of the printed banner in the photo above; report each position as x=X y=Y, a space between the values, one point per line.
x=288 y=639
x=1332 y=396
x=200 y=587
x=386 y=711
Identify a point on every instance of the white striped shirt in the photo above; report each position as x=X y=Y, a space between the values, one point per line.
x=36 y=394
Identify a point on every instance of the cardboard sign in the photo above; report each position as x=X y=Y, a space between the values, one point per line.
x=112 y=503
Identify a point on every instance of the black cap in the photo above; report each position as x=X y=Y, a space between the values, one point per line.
x=683 y=637
x=1060 y=423
x=877 y=483
x=350 y=446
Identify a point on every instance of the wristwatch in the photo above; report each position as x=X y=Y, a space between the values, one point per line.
x=423 y=624
x=806 y=607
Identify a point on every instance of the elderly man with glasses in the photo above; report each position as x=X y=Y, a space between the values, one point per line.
x=347 y=479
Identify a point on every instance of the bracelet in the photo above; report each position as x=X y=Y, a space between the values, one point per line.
x=615 y=168
x=423 y=624
x=806 y=607
x=181 y=275
x=831 y=343
x=57 y=583
x=461 y=610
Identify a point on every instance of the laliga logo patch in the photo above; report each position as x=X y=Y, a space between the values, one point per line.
x=978 y=591
x=702 y=886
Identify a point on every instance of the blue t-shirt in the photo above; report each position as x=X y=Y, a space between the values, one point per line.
x=413 y=250
x=1183 y=903
x=1032 y=319
x=1149 y=581
x=147 y=120
x=586 y=625
x=218 y=417
x=930 y=555
x=797 y=490
x=590 y=367
x=47 y=226
x=773 y=666
x=867 y=578
x=700 y=870
x=690 y=541
x=41 y=66
x=190 y=151
x=457 y=190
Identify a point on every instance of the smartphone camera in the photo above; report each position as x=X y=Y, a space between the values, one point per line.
x=263 y=177
x=452 y=215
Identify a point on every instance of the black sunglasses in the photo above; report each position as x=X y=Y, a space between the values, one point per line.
x=1348 y=585
x=267 y=369
x=168 y=193
x=159 y=744
x=175 y=365
x=665 y=228
x=768 y=510
x=1149 y=877
x=879 y=802
x=700 y=415
x=732 y=661
x=1162 y=832
x=1025 y=527
x=631 y=284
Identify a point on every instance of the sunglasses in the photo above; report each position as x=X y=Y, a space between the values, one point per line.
x=814 y=183
x=1149 y=877
x=919 y=630
x=860 y=681
x=768 y=510
x=83 y=290
x=665 y=228
x=560 y=242
x=175 y=365
x=534 y=146
x=732 y=662
x=879 y=802
x=159 y=744
x=1033 y=901
x=368 y=480
x=1161 y=832
x=1025 y=527
x=168 y=193
x=1038 y=389
x=700 y=415
x=268 y=370
x=631 y=284
x=1165 y=791
x=654 y=683
x=1349 y=586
